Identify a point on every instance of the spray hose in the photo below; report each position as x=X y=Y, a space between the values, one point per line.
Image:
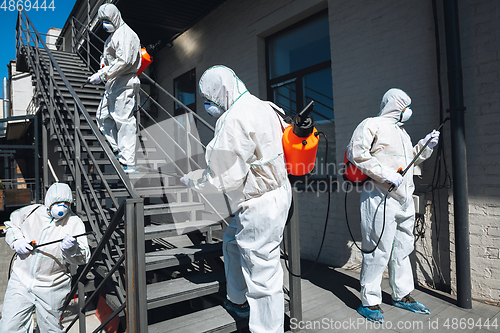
x=326 y=221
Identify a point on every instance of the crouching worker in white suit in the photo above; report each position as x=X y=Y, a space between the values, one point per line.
x=245 y=158
x=379 y=147
x=40 y=279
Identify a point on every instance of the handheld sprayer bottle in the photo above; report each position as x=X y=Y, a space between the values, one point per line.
x=300 y=143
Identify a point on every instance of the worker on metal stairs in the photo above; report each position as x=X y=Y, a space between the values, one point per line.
x=245 y=158
x=40 y=278
x=379 y=147
x=121 y=58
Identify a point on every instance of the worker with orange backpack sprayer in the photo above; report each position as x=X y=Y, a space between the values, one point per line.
x=245 y=158
x=379 y=147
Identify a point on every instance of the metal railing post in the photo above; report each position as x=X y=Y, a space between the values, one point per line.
x=72 y=36
x=77 y=152
x=45 y=159
x=81 y=309
x=293 y=247
x=187 y=116
x=135 y=267
x=37 y=161
x=88 y=35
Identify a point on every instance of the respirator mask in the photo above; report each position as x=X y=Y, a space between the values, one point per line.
x=407 y=113
x=213 y=109
x=108 y=26
x=59 y=210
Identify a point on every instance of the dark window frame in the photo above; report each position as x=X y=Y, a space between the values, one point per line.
x=316 y=183
x=180 y=110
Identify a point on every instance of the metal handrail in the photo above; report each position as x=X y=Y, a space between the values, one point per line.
x=28 y=40
x=79 y=105
x=189 y=112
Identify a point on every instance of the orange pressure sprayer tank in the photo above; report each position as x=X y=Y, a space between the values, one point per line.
x=146 y=60
x=300 y=143
x=300 y=153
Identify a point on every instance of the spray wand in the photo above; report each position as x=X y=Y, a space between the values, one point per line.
x=403 y=172
x=35 y=246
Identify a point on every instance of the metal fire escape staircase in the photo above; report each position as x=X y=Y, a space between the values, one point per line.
x=154 y=259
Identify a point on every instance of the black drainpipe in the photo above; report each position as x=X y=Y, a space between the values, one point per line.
x=459 y=154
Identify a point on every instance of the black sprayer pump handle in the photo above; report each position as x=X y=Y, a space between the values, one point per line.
x=302 y=116
x=403 y=172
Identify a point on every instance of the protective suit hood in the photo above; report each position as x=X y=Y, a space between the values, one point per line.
x=221 y=86
x=58 y=192
x=393 y=102
x=109 y=12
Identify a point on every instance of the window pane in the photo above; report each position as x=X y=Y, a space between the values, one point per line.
x=285 y=97
x=318 y=87
x=300 y=47
x=185 y=89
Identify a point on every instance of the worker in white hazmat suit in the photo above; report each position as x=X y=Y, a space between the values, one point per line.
x=121 y=58
x=379 y=147
x=245 y=158
x=40 y=279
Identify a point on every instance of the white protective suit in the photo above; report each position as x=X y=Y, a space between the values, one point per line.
x=122 y=59
x=245 y=158
x=379 y=147
x=40 y=280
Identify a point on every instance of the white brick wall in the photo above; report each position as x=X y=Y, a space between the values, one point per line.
x=377 y=45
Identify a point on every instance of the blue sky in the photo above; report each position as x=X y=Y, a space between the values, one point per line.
x=42 y=20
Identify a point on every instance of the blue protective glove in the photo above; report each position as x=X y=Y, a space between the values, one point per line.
x=434 y=137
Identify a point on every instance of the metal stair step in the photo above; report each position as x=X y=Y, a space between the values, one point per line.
x=68 y=73
x=181 y=256
x=69 y=65
x=211 y=320
x=134 y=177
x=172 y=208
x=68 y=61
x=154 y=191
x=92 y=102
x=82 y=95
x=60 y=54
x=179 y=228
x=214 y=319
x=184 y=288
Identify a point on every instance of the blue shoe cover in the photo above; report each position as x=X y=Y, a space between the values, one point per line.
x=242 y=313
x=129 y=169
x=371 y=315
x=408 y=303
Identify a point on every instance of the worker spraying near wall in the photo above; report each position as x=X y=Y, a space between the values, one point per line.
x=245 y=158
x=121 y=59
x=40 y=279
x=379 y=147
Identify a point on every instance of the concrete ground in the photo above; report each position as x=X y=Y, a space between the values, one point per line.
x=330 y=297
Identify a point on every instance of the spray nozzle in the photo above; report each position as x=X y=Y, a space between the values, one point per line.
x=303 y=124
x=303 y=115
